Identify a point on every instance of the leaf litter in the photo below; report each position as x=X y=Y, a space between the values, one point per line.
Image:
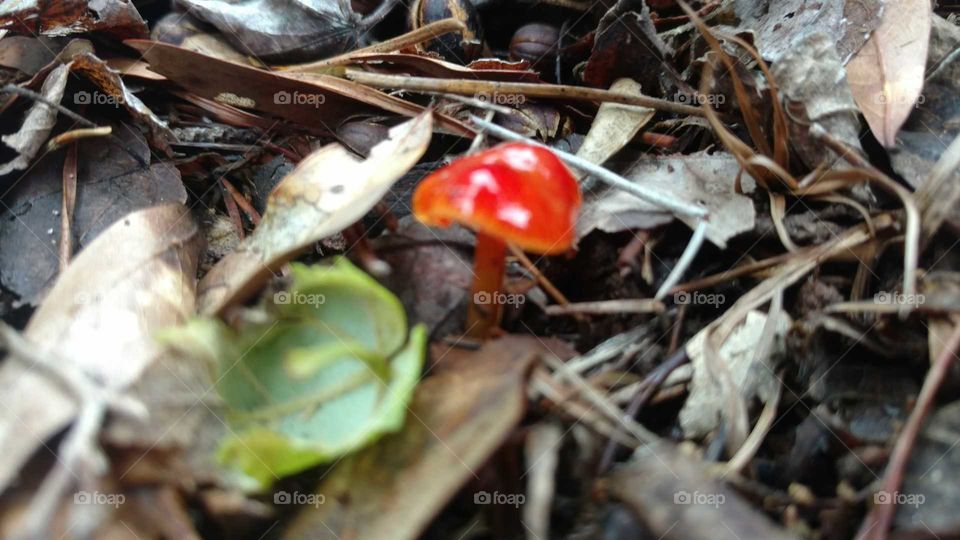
x=221 y=317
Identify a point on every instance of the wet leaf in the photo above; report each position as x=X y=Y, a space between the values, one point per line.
x=37 y=125
x=329 y=374
x=110 y=185
x=328 y=191
x=886 y=76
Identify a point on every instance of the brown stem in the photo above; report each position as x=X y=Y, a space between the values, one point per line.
x=485 y=297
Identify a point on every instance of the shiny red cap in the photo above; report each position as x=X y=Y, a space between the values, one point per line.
x=518 y=192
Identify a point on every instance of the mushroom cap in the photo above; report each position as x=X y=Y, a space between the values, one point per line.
x=518 y=192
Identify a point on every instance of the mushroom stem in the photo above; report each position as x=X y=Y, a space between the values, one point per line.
x=485 y=302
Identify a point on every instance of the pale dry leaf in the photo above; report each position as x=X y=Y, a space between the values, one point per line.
x=38 y=123
x=136 y=278
x=886 y=76
x=614 y=126
x=327 y=192
x=753 y=376
x=707 y=180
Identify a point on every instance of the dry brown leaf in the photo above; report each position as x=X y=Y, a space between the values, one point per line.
x=136 y=278
x=886 y=76
x=457 y=419
x=328 y=191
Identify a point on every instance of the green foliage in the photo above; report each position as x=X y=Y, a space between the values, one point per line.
x=331 y=370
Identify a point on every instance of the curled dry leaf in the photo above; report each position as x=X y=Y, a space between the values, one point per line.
x=100 y=316
x=886 y=76
x=118 y=18
x=315 y=101
x=457 y=419
x=328 y=191
x=614 y=126
x=38 y=123
x=751 y=373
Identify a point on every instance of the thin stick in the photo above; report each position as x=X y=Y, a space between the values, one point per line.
x=685 y=259
x=547 y=285
x=68 y=203
x=470 y=87
x=877 y=522
x=657 y=198
x=424 y=33
x=608 y=307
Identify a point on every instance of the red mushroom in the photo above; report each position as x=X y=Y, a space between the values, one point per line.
x=513 y=193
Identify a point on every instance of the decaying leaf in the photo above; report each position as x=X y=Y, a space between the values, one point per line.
x=38 y=123
x=319 y=102
x=458 y=417
x=886 y=76
x=282 y=30
x=813 y=84
x=100 y=316
x=110 y=185
x=329 y=190
x=118 y=18
x=752 y=376
x=780 y=24
x=700 y=179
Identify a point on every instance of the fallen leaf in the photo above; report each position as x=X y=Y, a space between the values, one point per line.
x=37 y=125
x=315 y=101
x=697 y=178
x=814 y=87
x=329 y=371
x=117 y=18
x=780 y=24
x=886 y=76
x=110 y=185
x=677 y=499
x=614 y=126
x=457 y=419
x=329 y=190
x=626 y=45
x=929 y=502
x=282 y=30
x=752 y=376
x=134 y=279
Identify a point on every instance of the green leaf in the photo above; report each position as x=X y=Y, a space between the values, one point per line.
x=333 y=371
